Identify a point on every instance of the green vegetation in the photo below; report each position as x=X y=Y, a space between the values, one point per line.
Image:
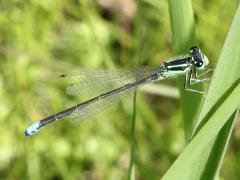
x=41 y=39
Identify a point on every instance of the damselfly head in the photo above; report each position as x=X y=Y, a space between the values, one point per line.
x=199 y=60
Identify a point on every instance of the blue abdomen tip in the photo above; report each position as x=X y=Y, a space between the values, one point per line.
x=32 y=129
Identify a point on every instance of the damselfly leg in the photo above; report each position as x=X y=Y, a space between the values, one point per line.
x=197 y=78
x=204 y=73
x=191 y=78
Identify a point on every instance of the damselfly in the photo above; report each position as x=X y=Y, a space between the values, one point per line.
x=97 y=82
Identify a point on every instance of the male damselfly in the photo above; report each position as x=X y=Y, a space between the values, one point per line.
x=97 y=82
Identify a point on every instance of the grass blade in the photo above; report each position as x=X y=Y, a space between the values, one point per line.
x=227 y=70
x=133 y=120
x=182 y=21
x=133 y=140
x=226 y=73
x=204 y=154
x=188 y=165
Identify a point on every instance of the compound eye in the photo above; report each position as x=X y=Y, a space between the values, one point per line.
x=194 y=50
x=198 y=63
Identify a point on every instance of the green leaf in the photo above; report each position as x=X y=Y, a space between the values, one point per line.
x=227 y=70
x=188 y=164
x=182 y=21
x=202 y=157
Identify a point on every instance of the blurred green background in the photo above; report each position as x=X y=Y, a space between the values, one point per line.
x=41 y=39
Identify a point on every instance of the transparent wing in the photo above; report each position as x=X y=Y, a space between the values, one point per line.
x=95 y=82
x=100 y=105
